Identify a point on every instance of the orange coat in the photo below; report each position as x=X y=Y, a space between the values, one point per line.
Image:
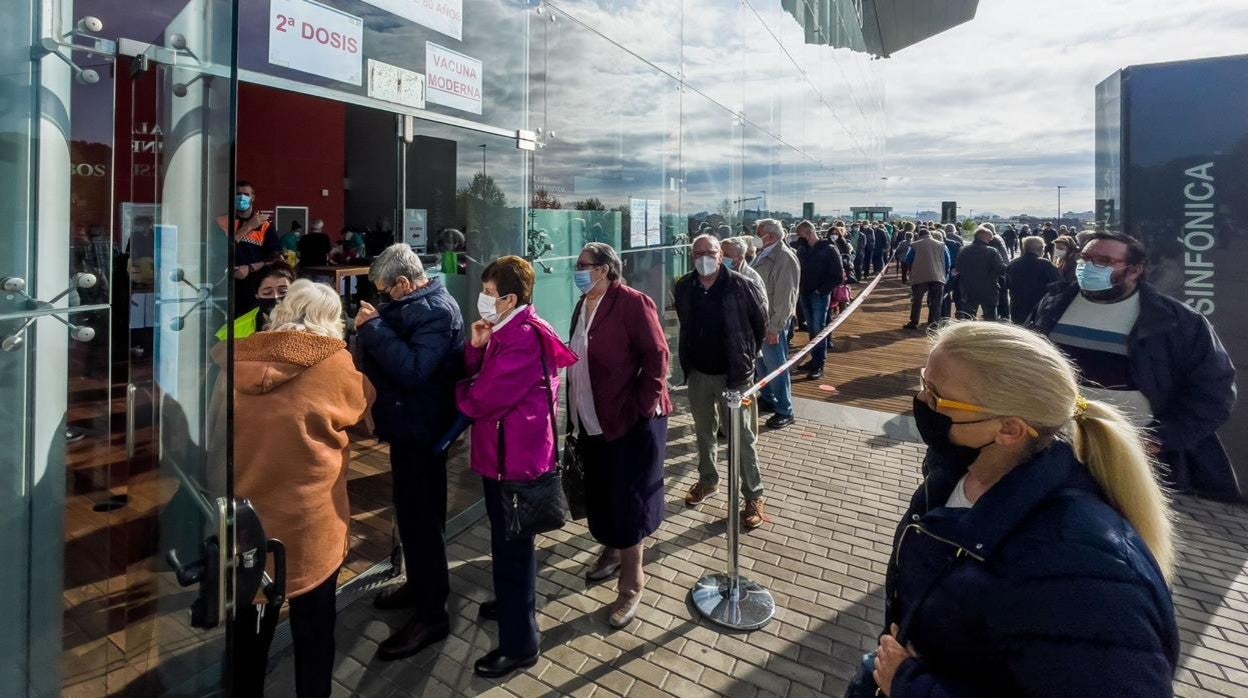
x=295 y=396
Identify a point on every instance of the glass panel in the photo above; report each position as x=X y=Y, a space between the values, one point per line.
x=481 y=73
x=607 y=167
x=92 y=503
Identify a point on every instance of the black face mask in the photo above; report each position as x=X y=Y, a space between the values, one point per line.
x=934 y=430
x=267 y=305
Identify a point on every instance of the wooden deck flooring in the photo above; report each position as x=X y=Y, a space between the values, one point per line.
x=874 y=363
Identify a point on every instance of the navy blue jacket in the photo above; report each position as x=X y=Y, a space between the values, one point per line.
x=1181 y=367
x=1040 y=589
x=414 y=354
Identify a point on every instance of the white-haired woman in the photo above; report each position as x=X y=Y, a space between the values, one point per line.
x=1035 y=556
x=296 y=392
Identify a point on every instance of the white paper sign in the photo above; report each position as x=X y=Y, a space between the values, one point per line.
x=654 y=232
x=446 y=16
x=312 y=38
x=395 y=84
x=637 y=222
x=452 y=79
x=416 y=228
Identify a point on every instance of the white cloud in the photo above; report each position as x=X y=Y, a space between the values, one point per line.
x=997 y=112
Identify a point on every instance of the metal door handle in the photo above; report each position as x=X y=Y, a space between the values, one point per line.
x=131 y=390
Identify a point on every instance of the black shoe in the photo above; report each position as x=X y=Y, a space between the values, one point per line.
x=778 y=421
x=496 y=665
x=804 y=367
x=396 y=597
x=413 y=637
x=765 y=406
x=814 y=374
x=910 y=326
x=488 y=611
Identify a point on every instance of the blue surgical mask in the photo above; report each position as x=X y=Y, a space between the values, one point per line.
x=728 y=262
x=584 y=280
x=244 y=202
x=1092 y=277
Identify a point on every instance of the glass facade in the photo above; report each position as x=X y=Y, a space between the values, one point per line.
x=530 y=127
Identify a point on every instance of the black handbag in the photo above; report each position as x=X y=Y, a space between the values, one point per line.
x=572 y=468
x=533 y=506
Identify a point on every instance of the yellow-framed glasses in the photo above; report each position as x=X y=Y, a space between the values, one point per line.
x=963 y=406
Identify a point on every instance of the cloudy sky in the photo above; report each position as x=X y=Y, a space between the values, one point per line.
x=997 y=112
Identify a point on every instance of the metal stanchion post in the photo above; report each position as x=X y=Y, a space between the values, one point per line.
x=729 y=599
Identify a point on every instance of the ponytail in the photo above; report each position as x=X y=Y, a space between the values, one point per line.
x=1113 y=450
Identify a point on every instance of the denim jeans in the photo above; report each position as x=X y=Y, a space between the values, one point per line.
x=815 y=308
x=779 y=393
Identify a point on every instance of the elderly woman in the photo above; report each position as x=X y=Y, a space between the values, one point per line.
x=1065 y=256
x=1035 y=556
x=412 y=350
x=618 y=402
x=296 y=392
x=736 y=251
x=514 y=359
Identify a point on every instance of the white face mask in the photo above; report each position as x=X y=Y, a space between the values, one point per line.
x=487 y=307
x=706 y=266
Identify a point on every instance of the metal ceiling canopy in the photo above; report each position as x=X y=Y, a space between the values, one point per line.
x=891 y=25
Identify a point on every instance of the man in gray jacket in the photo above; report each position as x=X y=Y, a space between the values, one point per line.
x=777 y=264
x=930 y=263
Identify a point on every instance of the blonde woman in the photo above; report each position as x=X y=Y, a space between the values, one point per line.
x=1035 y=556
x=296 y=392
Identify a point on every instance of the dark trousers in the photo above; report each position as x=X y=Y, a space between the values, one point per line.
x=1003 y=300
x=312 y=617
x=515 y=580
x=815 y=306
x=970 y=307
x=861 y=262
x=877 y=260
x=933 y=290
x=419 y=481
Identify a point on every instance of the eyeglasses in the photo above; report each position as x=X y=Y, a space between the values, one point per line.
x=941 y=402
x=586 y=267
x=1101 y=261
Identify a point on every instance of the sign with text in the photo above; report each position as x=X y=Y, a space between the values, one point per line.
x=452 y=79
x=395 y=84
x=644 y=229
x=416 y=228
x=312 y=38
x=445 y=16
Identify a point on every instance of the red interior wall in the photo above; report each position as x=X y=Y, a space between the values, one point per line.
x=291 y=146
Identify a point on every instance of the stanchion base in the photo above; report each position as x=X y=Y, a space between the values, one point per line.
x=749 y=608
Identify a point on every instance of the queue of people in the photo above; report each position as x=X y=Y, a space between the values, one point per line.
x=1041 y=501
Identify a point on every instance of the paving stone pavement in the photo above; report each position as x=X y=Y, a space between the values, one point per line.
x=834 y=496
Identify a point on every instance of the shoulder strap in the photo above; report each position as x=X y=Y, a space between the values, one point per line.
x=550 y=391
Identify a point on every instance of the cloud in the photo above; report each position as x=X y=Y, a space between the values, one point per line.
x=997 y=112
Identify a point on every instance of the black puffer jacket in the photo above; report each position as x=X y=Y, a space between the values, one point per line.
x=821 y=266
x=1040 y=589
x=745 y=324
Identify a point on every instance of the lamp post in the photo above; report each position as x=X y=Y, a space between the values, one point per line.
x=483 y=146
x=1060 y=187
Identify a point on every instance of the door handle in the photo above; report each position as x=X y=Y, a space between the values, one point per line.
x=131 y=391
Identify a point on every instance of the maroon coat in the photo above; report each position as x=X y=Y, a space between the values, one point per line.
x=628 y=359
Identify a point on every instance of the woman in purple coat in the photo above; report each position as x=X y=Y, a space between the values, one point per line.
x=617 y=397
x=514 y=358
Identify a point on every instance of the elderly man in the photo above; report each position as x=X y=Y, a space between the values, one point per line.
x=412 y=350
x=735 y=250
x=1152 y=356
x=722 y=325
x=979 y=266
x=1028 y=279
x=821 y=273
x=929 y=263
x=781 y=273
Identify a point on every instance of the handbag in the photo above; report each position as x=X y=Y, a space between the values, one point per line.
x=841 y=294
x=533 y=506
x=572 y=469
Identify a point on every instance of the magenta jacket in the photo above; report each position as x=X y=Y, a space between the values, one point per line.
x=508 y=398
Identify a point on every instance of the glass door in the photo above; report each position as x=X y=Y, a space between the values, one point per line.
x=116 y=152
